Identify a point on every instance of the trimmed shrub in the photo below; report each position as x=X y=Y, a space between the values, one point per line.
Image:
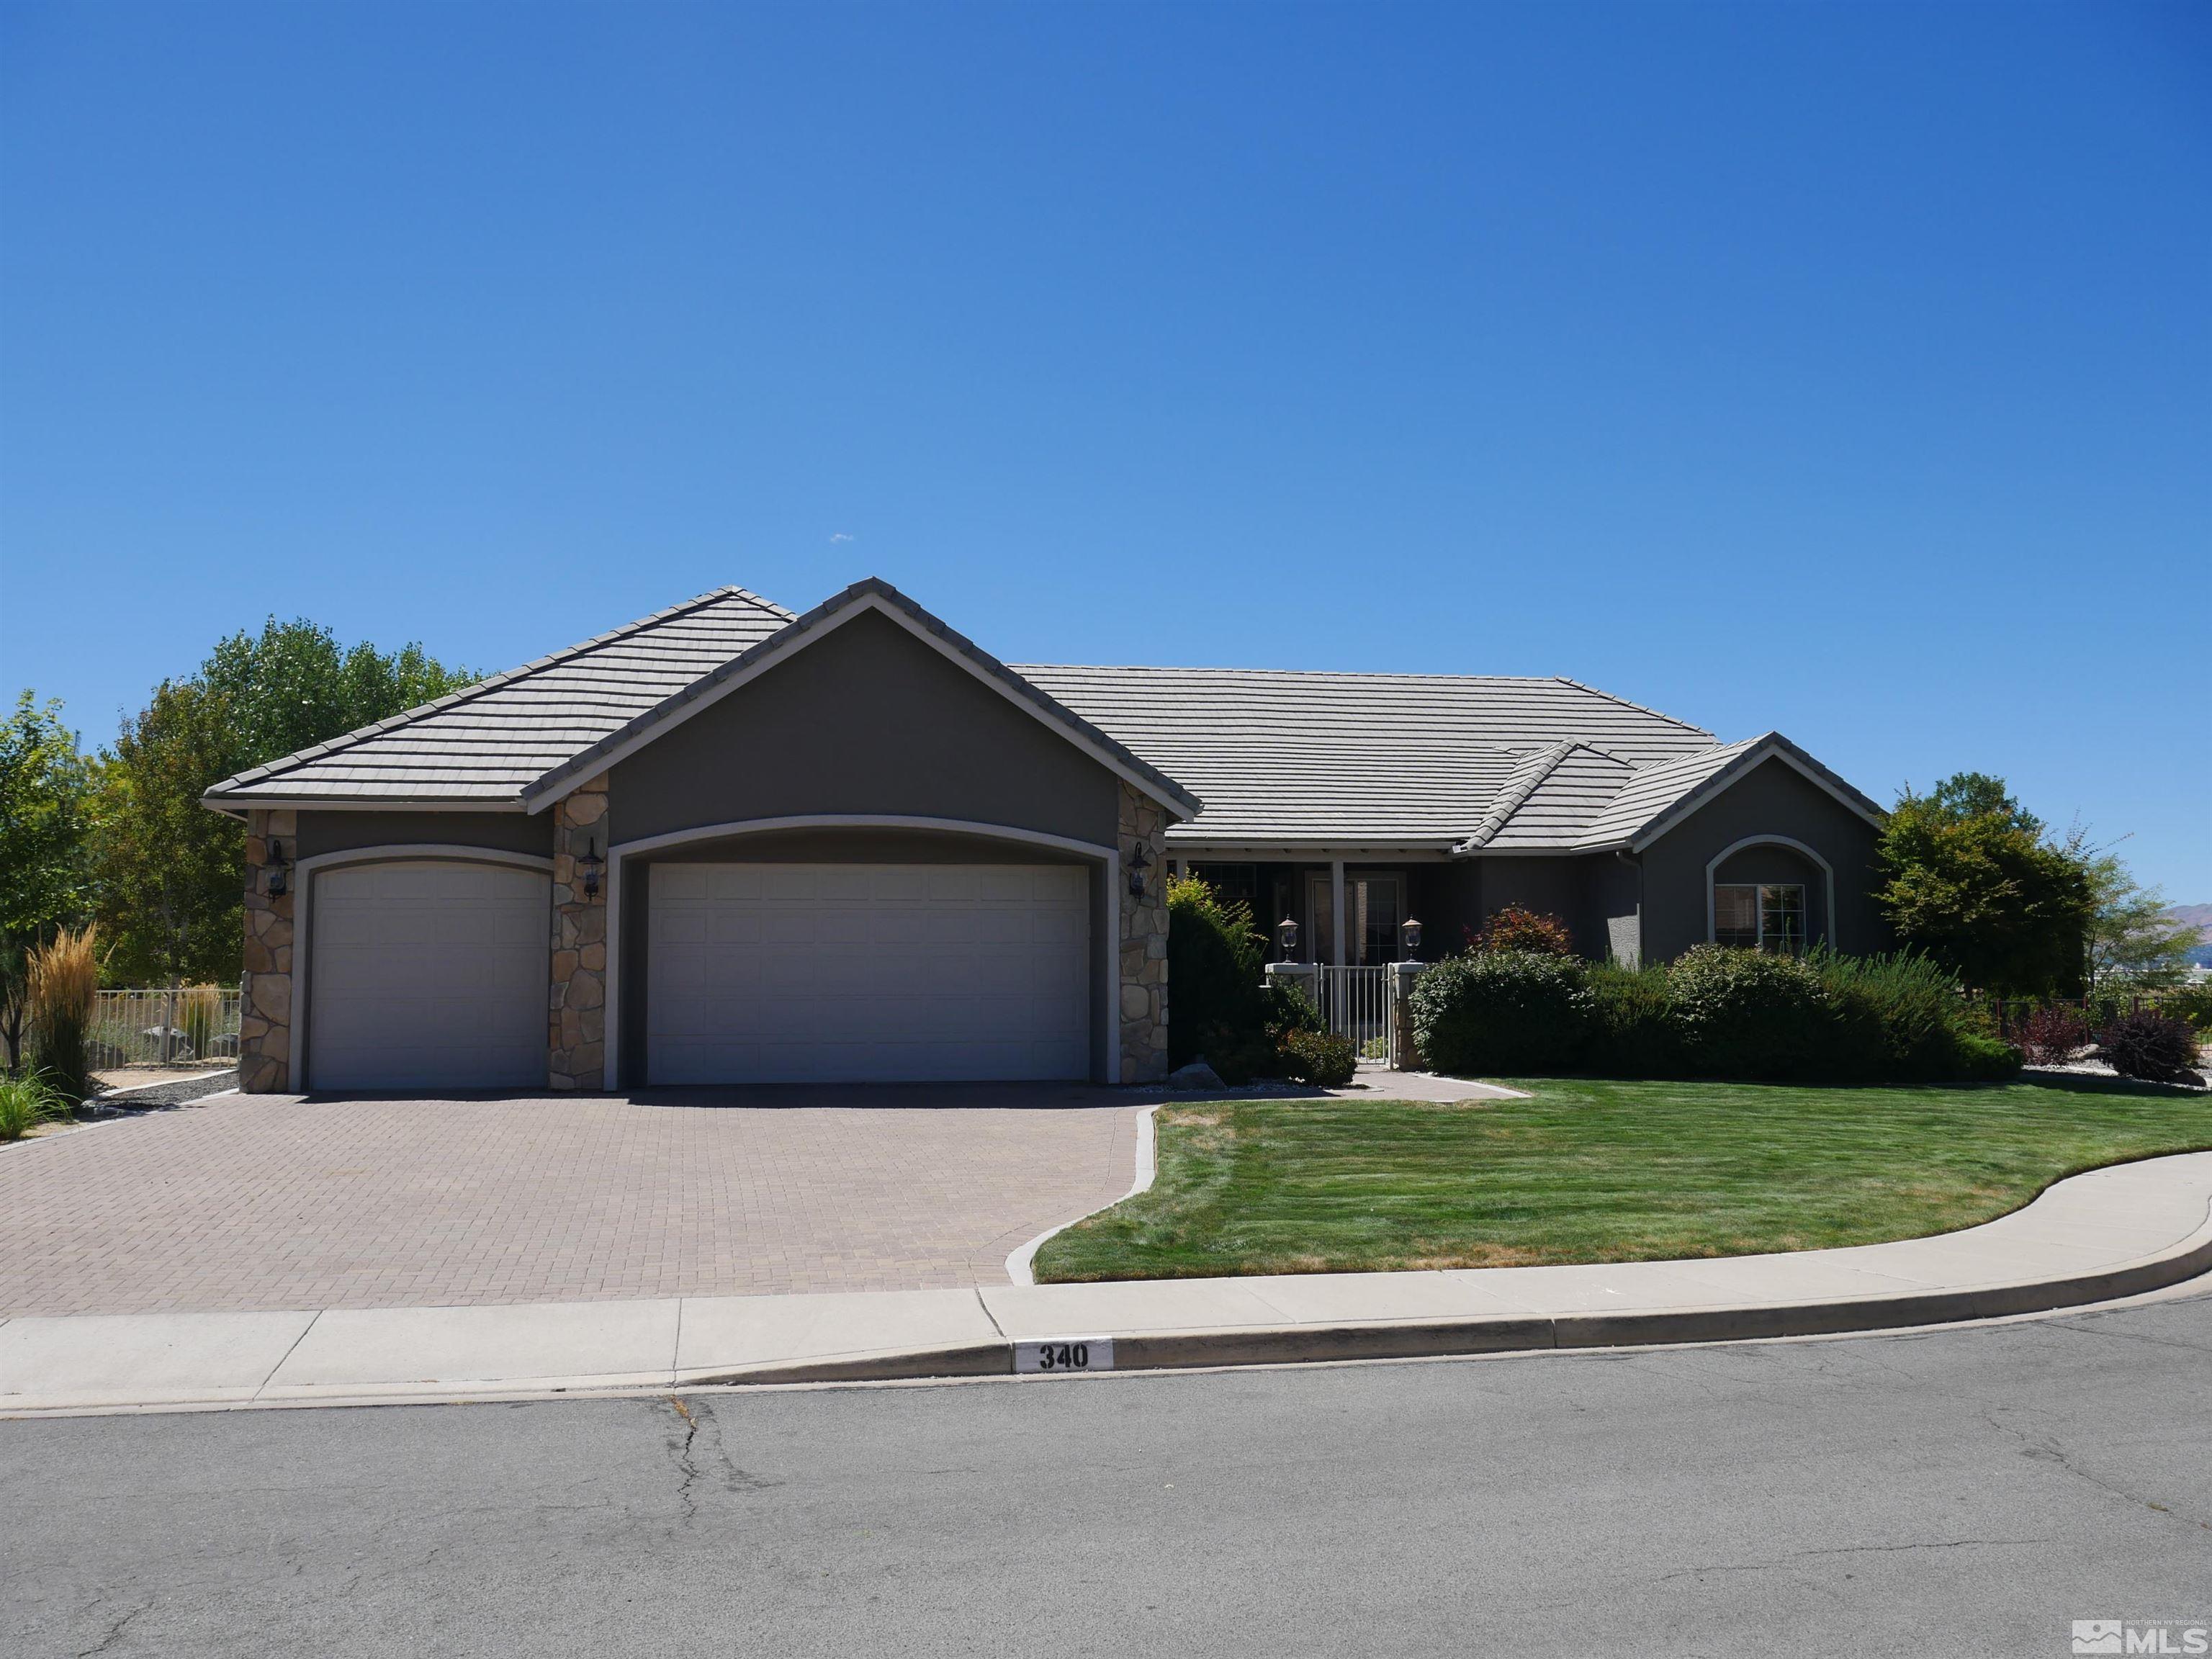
x=1516 y=929
x=1896 y=1017
x=1503 y=1010
x=1751 y=1013
x=1318 y=1058
x=1986 y=1059
x=2156 y=1048
x=1221 y=1009
x=2053 y=1034
x=1632 y=1030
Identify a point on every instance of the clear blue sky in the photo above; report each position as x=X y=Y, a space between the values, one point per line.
x=1841 y=369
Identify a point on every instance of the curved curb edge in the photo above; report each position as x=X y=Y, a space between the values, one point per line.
x=1508 y=1333
x=1020 y=1265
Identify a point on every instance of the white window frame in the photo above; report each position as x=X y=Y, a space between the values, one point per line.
x=1758 y=890
x=1829 y=882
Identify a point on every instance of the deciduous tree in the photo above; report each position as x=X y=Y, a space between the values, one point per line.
x=45 y=879
x=170 y=873
x=1973 y=879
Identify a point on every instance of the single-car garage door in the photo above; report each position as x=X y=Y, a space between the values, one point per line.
x=775 y=972
x=428 y=975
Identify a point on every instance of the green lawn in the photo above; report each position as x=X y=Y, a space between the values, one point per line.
x=1599 y=1171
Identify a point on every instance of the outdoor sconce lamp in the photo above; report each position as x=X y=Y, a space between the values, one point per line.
x=1410 y=937
x=1286 y=938
x=278 y=864
x=1139 y=863
x=591 y=864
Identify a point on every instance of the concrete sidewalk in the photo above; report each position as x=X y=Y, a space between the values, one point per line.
x=2113 y=1232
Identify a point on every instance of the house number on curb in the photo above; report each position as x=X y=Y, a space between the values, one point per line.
x=1097 y=1354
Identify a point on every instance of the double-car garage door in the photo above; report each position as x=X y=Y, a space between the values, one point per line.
x=768 y=973
x=430 y=974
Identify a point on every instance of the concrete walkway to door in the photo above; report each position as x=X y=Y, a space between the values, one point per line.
x=267 y=1201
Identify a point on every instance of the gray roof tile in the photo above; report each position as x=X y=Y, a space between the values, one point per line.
x=1477 y=763
x=1295 y=756
x=494 y=738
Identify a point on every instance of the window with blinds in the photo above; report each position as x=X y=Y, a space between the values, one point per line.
x=1768 y=916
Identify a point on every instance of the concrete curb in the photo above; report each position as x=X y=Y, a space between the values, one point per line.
x=2120 y=1232
x=1021 y=1263
x=1309 y=1344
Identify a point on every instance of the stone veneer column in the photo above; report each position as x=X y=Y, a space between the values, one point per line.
x=265 y=1023
x=1143 y=1000
x=576 y=1034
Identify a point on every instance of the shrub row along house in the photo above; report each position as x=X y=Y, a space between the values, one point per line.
x=731 y=844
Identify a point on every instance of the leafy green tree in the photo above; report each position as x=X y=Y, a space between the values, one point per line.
x=170 y=871
x=2132 y=941
x=45 y=878
x=1973 y=879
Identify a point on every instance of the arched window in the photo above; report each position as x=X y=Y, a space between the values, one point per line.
x=1769 y=909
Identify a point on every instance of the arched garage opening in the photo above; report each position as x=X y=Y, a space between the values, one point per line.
x=855 y=949
x=425 y=968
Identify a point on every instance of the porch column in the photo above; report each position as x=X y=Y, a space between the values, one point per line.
x=1336 y=908
x=576 y=1014
x=264 y=1014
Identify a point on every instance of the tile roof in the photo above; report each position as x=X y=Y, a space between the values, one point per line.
x=488 y=743
x=1471 y=764
x=872 y=592
x=1375 y=758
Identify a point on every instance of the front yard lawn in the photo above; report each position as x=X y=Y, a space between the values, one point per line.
x=1601 y=1171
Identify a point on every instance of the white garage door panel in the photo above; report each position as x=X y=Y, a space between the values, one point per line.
x=428 y=975
x=775 y=972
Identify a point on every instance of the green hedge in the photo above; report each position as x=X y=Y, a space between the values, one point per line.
x=1223 y=1010
x=1713 y=1012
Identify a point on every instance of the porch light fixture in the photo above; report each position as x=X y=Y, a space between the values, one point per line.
x=1139 y=863
x=1286 y=938
x=1409 y=935
x=591 y=864
x=277 y=865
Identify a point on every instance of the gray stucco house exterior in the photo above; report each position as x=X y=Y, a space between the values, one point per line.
x=727 y=843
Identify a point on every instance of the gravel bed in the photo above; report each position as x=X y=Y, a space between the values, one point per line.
x=164 y=1094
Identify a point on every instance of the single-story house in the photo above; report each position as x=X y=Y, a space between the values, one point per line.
x=727 y=843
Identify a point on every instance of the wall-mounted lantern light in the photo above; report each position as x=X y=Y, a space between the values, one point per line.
x=591 y=864
x=1410 y=936
x=1139 y=863
x=277 y=865
x=1286 y=940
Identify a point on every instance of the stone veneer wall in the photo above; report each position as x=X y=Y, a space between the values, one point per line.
x=1144 y=1023
x=264 y=1030
x=576 y=1035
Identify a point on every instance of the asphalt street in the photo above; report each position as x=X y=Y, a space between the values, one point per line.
x=1958 y=1492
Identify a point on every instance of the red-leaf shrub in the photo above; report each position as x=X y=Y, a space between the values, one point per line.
x=2053 y=1035
x=2151 y=1046
x=1516 y=929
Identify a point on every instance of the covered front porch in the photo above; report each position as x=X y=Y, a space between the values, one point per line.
x=1345 y=911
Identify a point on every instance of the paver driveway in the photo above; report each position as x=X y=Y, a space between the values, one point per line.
x=276 y=1201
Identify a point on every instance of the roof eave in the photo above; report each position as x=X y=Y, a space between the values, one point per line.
x=236 y=803
x=1772 y=746
x=875 y=595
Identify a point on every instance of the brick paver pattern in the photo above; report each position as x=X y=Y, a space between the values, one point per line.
x=272 y=1201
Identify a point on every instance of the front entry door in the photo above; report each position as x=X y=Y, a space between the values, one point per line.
x=1374 y=907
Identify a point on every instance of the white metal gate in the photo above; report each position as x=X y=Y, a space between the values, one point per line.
x=1355 y=1003
x=1362 y=1003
